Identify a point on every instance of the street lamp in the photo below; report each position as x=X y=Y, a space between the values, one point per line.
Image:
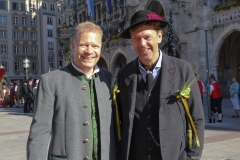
x=205 y=23
x=26 y=65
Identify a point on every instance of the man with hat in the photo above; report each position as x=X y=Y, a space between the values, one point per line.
x=153 y=120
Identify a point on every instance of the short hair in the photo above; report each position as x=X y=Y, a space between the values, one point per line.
x=212 y=77
x=234 y=77
x=156 y=26
x=30 y=79
x=86 y=27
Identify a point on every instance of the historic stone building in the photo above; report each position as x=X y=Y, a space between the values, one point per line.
x=28 y=28
x=189 y=41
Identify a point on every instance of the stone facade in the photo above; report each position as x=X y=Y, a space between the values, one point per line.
x=26 y=23
x=189 y=41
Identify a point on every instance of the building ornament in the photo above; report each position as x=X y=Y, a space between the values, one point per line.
x=227 y=16
x=184 y=6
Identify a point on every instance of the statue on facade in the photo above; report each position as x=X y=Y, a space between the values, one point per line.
x=63 y=18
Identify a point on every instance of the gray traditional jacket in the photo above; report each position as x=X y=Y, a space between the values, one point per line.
x=61 y=110
x=172 y=117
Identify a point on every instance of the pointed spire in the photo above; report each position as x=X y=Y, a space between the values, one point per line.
x=170 y=35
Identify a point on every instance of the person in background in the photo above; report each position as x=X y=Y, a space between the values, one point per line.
x=201 y=87
x=234 y=91
x=6 y=94
x=16 y=93
x=25 y=94
x=34 y=94
x=216 y=99
x=11 y=96
x=73 y=106
x=30 y=94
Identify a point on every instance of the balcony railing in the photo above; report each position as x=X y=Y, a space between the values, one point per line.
x=227 y=16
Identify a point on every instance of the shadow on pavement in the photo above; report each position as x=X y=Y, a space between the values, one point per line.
x=15 y=111
x=228 y=122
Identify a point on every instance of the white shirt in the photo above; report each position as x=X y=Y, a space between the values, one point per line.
x=156 y=69
x=96 y=70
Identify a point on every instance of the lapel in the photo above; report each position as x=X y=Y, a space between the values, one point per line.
x=167 y=76
x=131 y=84
x=102 y=86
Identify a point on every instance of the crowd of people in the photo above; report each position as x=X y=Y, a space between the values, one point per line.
x=216 y=96
x=19 y=94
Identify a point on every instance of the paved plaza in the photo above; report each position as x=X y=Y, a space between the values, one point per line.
x=222 y=140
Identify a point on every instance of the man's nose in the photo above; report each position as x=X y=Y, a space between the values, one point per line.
x=90 y=49
x=142 y=41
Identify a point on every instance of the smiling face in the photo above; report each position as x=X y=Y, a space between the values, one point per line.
x=87 y=49
x=145 y=40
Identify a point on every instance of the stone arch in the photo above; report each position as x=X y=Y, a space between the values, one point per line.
x=102 y=63
x=218 y=42
x=228 y=57
x=119 y=61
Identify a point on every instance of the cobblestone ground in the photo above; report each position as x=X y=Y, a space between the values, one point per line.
x=222 y=140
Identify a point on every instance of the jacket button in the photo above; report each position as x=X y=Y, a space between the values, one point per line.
x=86 y=123
x=85 y=106
x=84 y=88
x=85 y=141
x=86 y=158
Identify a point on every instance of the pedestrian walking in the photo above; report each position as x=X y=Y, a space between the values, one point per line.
x=234 y=91
x=73 y=106
x=216 y=99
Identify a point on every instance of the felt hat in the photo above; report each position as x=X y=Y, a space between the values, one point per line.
x=143 y=16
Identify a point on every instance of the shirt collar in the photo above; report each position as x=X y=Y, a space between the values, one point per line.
x=96 y=70
x=158 y=65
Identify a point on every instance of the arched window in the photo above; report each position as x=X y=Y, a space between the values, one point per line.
x=102 y=63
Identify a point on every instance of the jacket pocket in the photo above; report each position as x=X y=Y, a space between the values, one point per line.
x=58 y=157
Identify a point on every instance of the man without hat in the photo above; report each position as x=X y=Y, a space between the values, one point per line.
x=73 y=106
x=154 y=122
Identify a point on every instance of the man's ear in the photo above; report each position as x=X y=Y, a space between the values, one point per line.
x=159 y=36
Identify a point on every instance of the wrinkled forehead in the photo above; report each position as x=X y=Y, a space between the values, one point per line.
x=143 y=26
